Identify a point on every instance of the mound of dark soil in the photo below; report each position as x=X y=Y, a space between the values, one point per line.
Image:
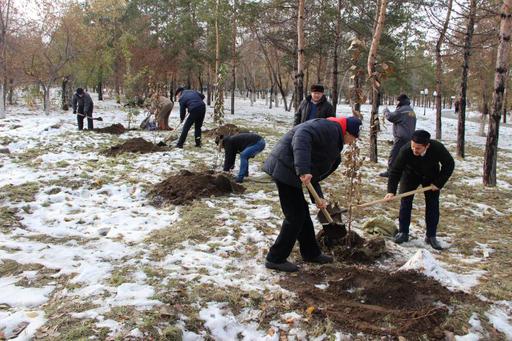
x=187 y=186
x=116 y=129
x=226 y=130
x=135 y=145
x=352 y=247
x=376 y=302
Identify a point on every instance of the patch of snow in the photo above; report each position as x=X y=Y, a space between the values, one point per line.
x=9 y=322
x=16 y=296
x=500 y=317
x=423 y=261
x=475 y=331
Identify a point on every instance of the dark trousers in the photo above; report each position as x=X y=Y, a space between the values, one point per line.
x=297 y=225
x=195 y=117
x=409 y=183
x=397 y=145
x=80 y=118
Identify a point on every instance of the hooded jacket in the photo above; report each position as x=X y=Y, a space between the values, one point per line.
x=403 y=119
x=324 y=110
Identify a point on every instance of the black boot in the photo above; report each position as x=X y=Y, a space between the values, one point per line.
x=285 y=266
x=432 y=241
x=198 y=142
x=320 y=259
x=384 y=174
x=401 y=238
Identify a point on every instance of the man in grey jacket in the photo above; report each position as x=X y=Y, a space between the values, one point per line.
x=82 y=108
x=404 y=125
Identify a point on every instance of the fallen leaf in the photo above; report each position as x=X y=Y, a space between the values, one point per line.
x=310 y=310
x=32 y=314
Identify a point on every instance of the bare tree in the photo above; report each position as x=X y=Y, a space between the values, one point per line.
x=502 y=65
x=299 y=77
x=464 y=82
x=439 y=70
x=375 y=77
x=5 y=9
x=233 y=58
x=335 y=63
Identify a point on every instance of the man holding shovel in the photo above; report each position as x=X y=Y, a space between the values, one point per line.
x=425 y=162
x=308 y=153
x=82 y=107
x=192 y=101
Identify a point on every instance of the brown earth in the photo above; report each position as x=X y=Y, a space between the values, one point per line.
x=116 y=129
x=226 y=130
x=375 y=302
x=352 y=248
x=135 y=145
x=187 y=186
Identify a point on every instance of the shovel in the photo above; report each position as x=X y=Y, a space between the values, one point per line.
x=92 y=118
x=402 y=195
x=332 y=230
x=173 y=135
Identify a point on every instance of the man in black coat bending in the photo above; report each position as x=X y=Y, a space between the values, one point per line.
x=308 y=153
x=82 y=108
x=192 y=101
x=313 y=106
x=425 y=162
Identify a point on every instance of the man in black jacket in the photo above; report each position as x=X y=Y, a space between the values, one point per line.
x=247 y=144
x=82 y=107
x=314 y=106
x=192 y=101
x=425 y=162
x=308 y=153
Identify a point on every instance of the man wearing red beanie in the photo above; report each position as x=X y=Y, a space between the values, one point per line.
x=308 y=153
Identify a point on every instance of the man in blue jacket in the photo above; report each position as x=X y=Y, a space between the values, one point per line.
x=404 y=124
x=306 y=154
x=192 y=101
x=83 y=107
x=247 y=144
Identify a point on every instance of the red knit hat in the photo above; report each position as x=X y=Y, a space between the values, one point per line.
x=342 y=121
x=350 y=124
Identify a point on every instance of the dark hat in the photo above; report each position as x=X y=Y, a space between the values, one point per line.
x=421 y=137
x=317 y=88
x=178 y=90
x=353 y=126
x=403 y=100
x=80 y=91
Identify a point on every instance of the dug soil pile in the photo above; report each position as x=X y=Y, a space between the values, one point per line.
x=352 y=248
x=187 y=186
x=375 y=302
x=135 y=145
x=226 y=130
x=116 y=129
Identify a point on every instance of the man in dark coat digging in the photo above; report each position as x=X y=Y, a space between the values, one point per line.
x=192 y=101
x=308 y=153
x=425 y=162
x=248 y=145
x=82 y=108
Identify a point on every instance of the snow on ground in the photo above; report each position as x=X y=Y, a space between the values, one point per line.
x=88 y=224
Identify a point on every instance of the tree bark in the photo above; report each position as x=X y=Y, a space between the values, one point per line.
x=233 y=56
x=500 y=79
x=439 y=70
x=464 y=83
x=374 y=76
x=299 y=77
x=64 y=96
x=335 y=71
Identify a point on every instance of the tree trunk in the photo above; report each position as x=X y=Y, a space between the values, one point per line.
x=299 y=85
x=373 y=75
x=464 y=83
x=502 y=65
x=439 y=70
x=233 y=56
x=46 y=99
x=335 y=71
x=64 y=96
x=11 y=92
x=209 y=86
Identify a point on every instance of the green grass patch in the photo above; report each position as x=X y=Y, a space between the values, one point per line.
x=20 y=193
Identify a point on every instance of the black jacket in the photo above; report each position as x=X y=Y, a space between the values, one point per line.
x=435 y=167
x=82 y=105
x=236 y=144
x=312 y=147
x=190 y=99
x=324 y=110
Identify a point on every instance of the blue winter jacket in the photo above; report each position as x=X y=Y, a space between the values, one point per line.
x=312 y=147
x=190 y=99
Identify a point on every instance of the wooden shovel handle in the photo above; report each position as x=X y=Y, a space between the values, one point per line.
x=402 y=195
x=317 y=198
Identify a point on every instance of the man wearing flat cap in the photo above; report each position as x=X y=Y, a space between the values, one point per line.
x=424 y=162
x=314 y=106
x=308 y=153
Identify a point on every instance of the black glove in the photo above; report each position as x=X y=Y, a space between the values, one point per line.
x=74 y=112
